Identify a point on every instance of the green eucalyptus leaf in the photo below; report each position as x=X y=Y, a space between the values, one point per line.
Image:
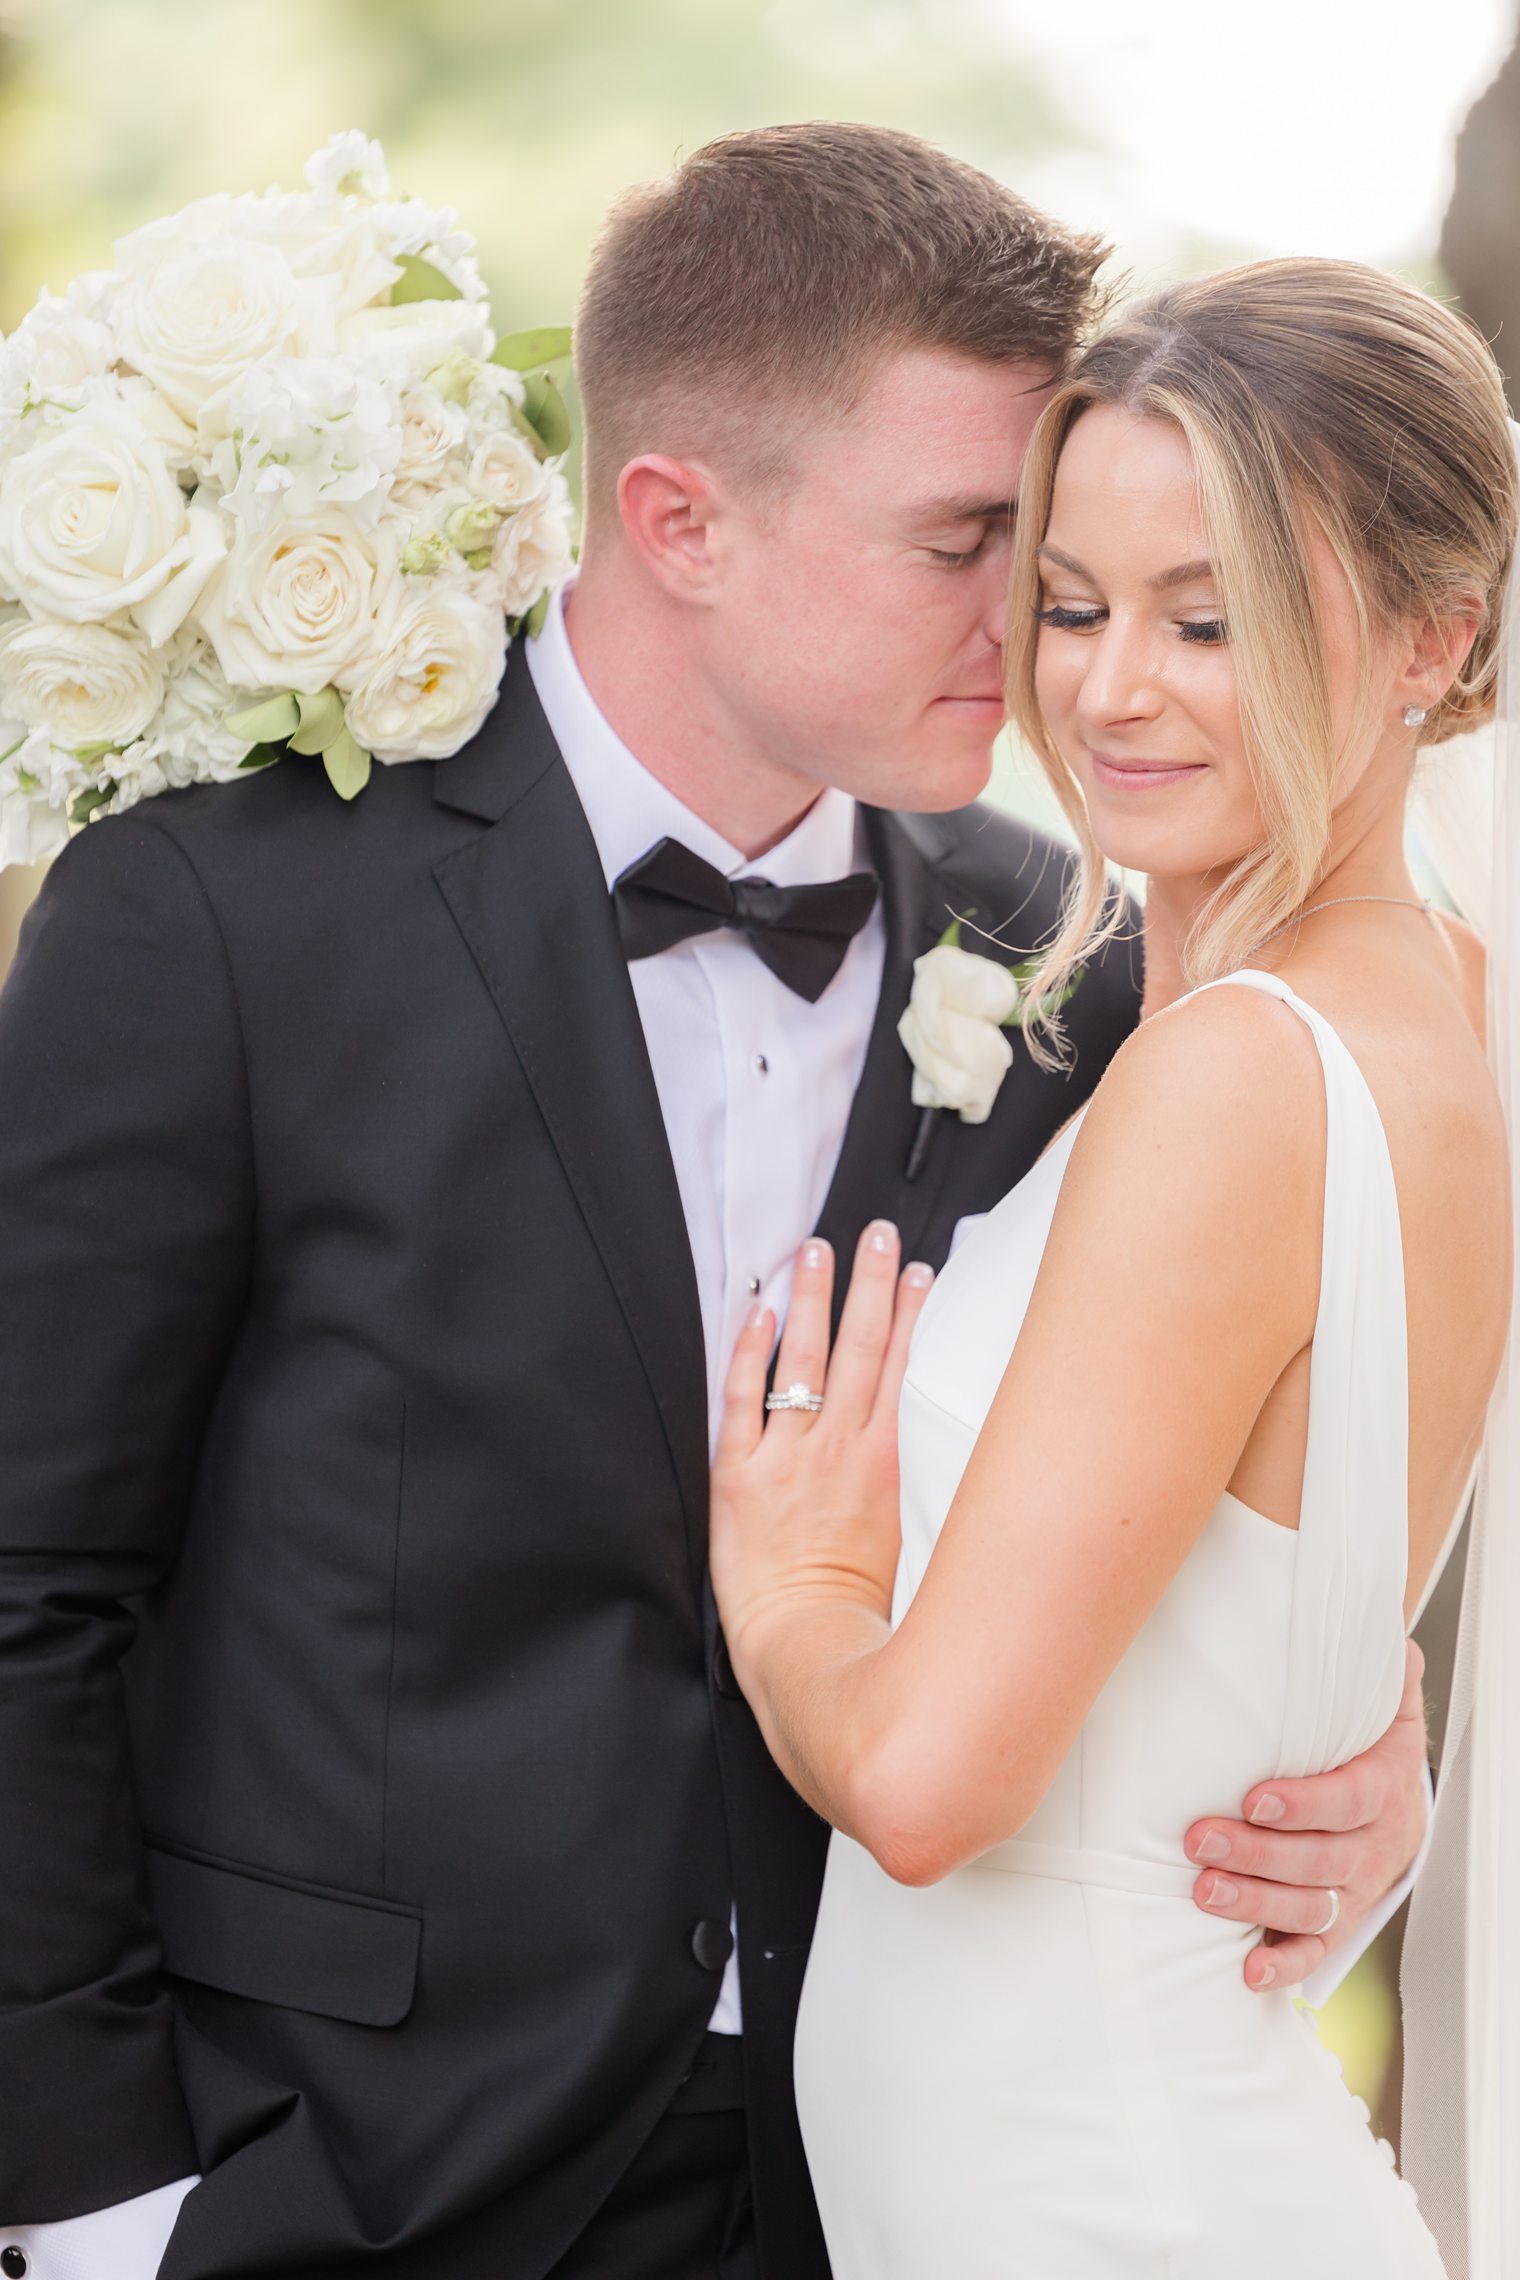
x=86 y=804
x=420 y=281
x=533 y=622
x=267 y=723
x=546 y=413
x=529 y=351
x=347 y=765
x=262 y=756
x=321 y=721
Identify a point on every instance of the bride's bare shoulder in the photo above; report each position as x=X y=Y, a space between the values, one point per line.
x=1224 y=1083
x=1470 y=961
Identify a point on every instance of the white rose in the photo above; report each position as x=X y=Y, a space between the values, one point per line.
x=307 y=432
x=432 y=432
x=532 y=549
x=952 y=1030
x=349 y=164
x=405 y=343
x=83 y=684
x=52 y=352
x=195 y=313
x=508 y=472
x=296 y=606
x=93 y=523
x=445 y=653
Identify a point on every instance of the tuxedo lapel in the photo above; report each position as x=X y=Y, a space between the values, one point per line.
x=531 y=901
x=870 y=1179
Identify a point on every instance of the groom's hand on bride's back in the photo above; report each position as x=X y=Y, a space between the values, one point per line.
x=1353 y=1831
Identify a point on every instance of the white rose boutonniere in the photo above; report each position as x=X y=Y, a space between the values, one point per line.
x=953 y=1030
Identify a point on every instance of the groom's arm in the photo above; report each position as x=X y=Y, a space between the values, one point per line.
x=125 y=1224
x=1358 y=1830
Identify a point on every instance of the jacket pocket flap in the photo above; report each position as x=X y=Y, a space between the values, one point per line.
x=339 y=1955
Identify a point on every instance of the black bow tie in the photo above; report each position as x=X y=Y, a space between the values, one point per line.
x=802 y=933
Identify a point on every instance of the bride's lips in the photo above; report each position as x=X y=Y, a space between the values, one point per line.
x=1142 y=775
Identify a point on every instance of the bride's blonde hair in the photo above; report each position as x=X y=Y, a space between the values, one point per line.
x=1311 y=394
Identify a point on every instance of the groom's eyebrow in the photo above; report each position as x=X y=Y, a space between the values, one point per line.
x=966 y=509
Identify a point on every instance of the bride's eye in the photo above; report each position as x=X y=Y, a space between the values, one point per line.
x=1063 y=620
x=1210 y=631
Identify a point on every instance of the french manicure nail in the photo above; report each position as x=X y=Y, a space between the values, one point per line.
x=1224 y=1894
x=1212 y=1848
x=918 y=1275
x=814 y=1254
x=1267 y=1809
x=1267 y=1975
x=755 y=1317
x=881 y=1235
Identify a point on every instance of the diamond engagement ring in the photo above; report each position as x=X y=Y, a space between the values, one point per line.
x=796 y=1397
x=1333 y=1918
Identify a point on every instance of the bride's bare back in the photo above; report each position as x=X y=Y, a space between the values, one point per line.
x=1407 y=997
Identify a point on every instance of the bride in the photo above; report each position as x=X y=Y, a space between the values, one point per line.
x=1184 y=1425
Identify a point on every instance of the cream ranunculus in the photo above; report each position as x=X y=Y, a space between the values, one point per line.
x=533 y=550
x=432 y=434
x=197 y=312
x=93 y=524
x=952 y=1030
x=83 y=684
x=298 y=605
x=508 y=472
x=445 y=651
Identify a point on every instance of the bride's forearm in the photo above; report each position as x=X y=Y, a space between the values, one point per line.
x=812 y=1676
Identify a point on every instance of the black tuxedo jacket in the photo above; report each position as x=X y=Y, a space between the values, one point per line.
x=374 y=1788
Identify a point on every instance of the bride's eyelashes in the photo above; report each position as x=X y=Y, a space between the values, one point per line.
x=1207 y=631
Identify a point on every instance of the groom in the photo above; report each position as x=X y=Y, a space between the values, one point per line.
x=381 y=1188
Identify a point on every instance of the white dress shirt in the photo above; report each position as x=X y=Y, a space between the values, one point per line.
x=755 y=1084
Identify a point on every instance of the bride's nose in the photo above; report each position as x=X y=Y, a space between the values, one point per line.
x=1121 y=681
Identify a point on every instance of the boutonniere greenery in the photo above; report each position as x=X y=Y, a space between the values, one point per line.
x=954 y=1029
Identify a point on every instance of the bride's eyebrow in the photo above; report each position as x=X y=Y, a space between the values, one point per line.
x=1181 y=573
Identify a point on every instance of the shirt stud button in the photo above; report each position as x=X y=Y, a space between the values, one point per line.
x=754 y=1286
x=13 y=2263
x=762 y=1065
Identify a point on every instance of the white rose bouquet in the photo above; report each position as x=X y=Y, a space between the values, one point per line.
x=269 y=483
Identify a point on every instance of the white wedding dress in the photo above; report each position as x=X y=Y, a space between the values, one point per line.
x=1048 y=2066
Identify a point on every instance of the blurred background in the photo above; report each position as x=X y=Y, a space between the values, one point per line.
x=1382 y=130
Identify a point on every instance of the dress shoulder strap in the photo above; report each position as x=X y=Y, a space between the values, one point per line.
x=1346 y=1652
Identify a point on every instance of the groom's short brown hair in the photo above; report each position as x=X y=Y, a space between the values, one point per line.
x=766 y=276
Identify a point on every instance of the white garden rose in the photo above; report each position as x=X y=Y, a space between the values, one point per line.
x=532 y=550
x=195 y=313
x=444 y=656
x=508 y=472
x=296 y=606
x=93 y=524
x=307 y=432
x=432 y=441
x=952 y=1030
x=83 y=684
x=52 y=352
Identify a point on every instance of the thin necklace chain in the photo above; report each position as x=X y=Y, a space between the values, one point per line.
x=1399 y=902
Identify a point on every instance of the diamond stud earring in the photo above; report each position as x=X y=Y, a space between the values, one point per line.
x=1414 y=716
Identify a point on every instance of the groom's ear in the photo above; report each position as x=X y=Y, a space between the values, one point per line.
x=668 y=508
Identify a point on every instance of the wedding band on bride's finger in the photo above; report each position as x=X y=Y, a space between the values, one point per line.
x=796 y=1397
x=1334 y=1916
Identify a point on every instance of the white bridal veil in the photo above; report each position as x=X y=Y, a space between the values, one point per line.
x=1462 y=1957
